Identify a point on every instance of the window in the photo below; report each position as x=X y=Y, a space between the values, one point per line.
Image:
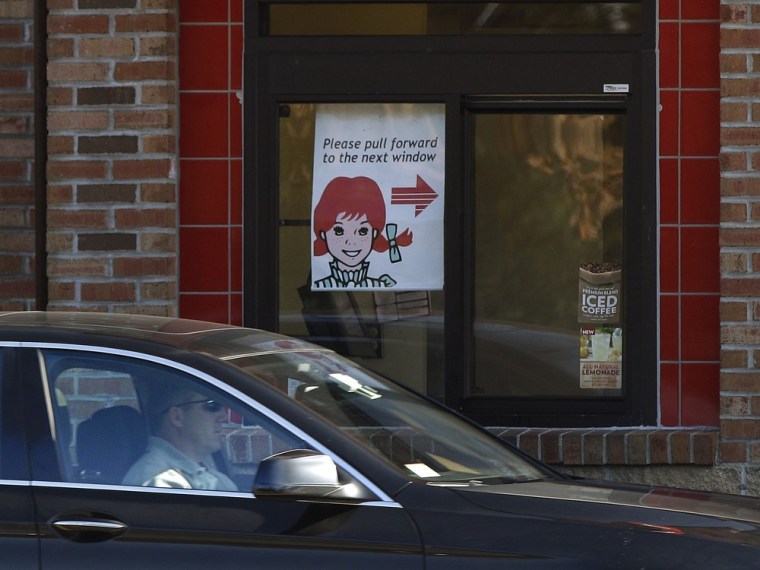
x=451 y=18
x=125 y=421
x=549 y=276
x=548 y=193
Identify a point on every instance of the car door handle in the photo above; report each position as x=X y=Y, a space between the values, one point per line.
x=88 y=529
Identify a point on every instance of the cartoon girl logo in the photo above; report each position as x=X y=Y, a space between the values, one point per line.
x=349 y=221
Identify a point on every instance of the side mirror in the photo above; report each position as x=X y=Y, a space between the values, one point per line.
x=298 y=473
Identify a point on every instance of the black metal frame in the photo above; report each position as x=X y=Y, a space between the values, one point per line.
x=467 y=74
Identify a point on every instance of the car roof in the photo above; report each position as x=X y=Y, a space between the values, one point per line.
x=110 y=329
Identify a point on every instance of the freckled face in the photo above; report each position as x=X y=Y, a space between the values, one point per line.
x=349 y=240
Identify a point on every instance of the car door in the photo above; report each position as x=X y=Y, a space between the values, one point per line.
x=18 y=535
x=88 y=517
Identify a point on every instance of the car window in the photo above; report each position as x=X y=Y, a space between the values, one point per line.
x=423 y=440
x=125 y=421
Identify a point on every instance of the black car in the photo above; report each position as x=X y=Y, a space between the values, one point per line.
x=310 y=462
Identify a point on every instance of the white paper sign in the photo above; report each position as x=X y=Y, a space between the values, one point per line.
x=377 y=197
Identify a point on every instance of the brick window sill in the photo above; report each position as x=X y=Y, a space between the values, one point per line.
x=615 y=446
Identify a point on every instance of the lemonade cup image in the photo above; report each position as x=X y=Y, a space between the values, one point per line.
x=600 y=346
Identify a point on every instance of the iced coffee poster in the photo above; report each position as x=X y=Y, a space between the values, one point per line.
x=599 y=292
x=377 y=197
x=601 y=353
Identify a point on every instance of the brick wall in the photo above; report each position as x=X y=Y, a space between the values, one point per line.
x=16 y=155
x=112 y=193
x=740 y=232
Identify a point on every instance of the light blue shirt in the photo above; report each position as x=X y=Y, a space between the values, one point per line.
x=163 y=465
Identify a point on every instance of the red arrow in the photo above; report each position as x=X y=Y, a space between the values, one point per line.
x=420 y=196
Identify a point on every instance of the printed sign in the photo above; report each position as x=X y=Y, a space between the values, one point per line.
x=601 y=358
x=377 y=197
x=599 y=293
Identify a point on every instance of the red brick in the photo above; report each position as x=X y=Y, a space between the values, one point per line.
x=733 y=161
x=16 y=287
x=740 y=381
x=88 y=169
x=11 y=264
x=153 y=242
x=616 y=448
x=158 y=291
x=572 y=448
x=11 y=33
x=77 y=25
x=77 y=267
x=60 y=194
x=12 y=170
x=733 y=358
x=733 y=212
x=733 y=312
x=60 y=145
x=734 y=452
x=68 y=72
x=16 y=56
x=59 y=241
x=528 y=441
x=734 y=405
x=749 y=287
x=145 y=71
x=637 y=447
x=705 y=447
x=550 y=447
x=16 y=102
x=138 y=266
x=159 y=144
x=733 y=261
x=144 y=118
x=58 y=48
x=111 y=291
x=16 y=242
x=14 y=125
x=61 y=290
x=21 y=194
x=740 y=136
x=159 y=94
x=740 y=237
x=734 y=112
x=733 y=63
x=16 y=148
x=77 y=219
x=159 y=192
x=680 y=448
x=138 y=169
x=12 y=79
x=144 y=23
x=594 y=447
x=734 y=13
x=13 y=217
x=60 y=96
x=737 y=38
x=145 y=218
x=740 y=429
x=79 y=120
x=106 y=47
x=158 y=46
x=659 y=447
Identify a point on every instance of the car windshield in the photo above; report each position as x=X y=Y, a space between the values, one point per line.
x=417 y=436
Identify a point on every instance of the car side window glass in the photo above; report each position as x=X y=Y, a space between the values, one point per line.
x=124 y=421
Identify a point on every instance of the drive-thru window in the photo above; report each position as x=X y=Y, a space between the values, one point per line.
x=461 y=195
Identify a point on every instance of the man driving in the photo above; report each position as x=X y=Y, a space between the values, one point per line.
x=187 y=429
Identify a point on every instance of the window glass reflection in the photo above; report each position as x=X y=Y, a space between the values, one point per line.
x=453 y=18
x=548 y=200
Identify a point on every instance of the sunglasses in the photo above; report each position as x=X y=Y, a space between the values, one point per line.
x=211 y=406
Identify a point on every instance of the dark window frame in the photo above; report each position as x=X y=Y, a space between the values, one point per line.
x=456 y=70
